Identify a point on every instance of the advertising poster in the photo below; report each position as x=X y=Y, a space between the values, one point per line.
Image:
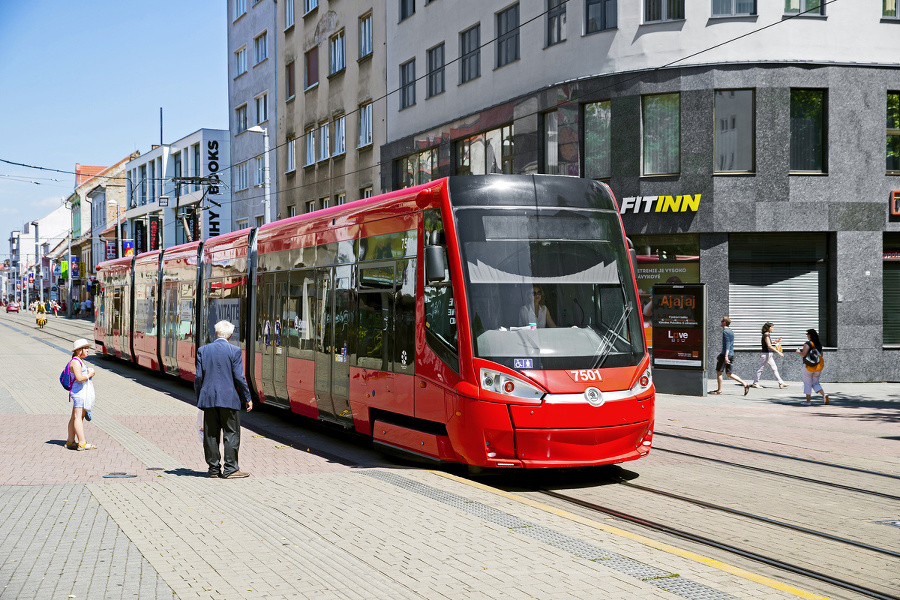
x=678 y=318
x=110 y=250
x=651 y=271
x=128 y=248
x=153 y=233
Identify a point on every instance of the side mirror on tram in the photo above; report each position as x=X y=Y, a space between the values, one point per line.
x=434 y=264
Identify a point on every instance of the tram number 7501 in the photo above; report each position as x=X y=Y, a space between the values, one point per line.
x=586 y=375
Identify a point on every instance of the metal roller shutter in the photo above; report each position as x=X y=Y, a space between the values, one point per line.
x=777 y=278
x=891 y=302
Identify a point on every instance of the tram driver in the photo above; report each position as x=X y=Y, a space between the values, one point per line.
x=535 y=313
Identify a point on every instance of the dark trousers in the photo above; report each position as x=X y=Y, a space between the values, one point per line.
x=215 y=422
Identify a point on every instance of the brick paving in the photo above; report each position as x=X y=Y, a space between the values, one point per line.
x=304 y=525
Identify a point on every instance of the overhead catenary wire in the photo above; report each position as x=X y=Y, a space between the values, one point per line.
x=617 y=83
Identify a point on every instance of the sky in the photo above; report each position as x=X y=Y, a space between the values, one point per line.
x=83 y=82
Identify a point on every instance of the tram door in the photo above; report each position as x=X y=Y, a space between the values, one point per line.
x=170 y=323
x=333 y=325
x=281 y=341
x=265 y=327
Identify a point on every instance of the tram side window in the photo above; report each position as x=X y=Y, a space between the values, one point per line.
x=440 y=309
x=301 y=311
x=186 y=312
x=374 y=318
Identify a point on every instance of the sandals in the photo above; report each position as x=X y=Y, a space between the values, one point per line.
x=746 y=389
x=827 y=399
x=716 y=393
x=71 y=446
x=82 y=447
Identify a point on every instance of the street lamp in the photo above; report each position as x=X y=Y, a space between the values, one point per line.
x=265 y=132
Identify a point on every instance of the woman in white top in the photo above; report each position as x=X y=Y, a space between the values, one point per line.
x=537 y=314
x=81 y=395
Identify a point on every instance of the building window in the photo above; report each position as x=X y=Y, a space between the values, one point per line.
x=735 y=127
x=240 y=7
x=808 y=134
x=340 y=146
x=418 y=168
x=324 y=145
x=407 y=84
x=198 y=168
x=893 y=133
x=407 y=8
x=365 y=125
x=733 y=8
x=311 y=76
x=663 y=10
x=310 y=206
x=261 y=47
x=260 y=221
x=597 y=140
x=508 y=35
x=340 y=199
x=488 y=152
x=290 y=81
x=436 y=70
x=262 y=108
x=291 y=155
x=366 y=192
x=292 y=210
x=470 y=54
x=889 y=9
x=600 y=15
x=661 y=118
x=310 y=148
x=324 y=202
x=240 y=61
x=556 y=21
x=551 y=143
x=259 y=173
x=240 y=118
x=241 y=224
x=365 y=35
x=309 y=5
x=336 y=58
x=240 y=177
x=288 y=13
x=810 y=7
x=152 y=181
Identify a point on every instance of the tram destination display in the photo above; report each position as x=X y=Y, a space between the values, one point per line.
x=678 y=333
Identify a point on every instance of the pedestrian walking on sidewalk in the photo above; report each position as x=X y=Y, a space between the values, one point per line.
x=220 y=386
x=766 y=356
x=725 y=360
x=81 y=395
x=813 y=363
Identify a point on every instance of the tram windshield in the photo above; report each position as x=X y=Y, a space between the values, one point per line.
x=549 y=288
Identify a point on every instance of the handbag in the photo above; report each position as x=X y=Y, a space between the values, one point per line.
x=778 y=348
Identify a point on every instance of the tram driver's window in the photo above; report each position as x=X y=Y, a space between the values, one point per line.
x=440 y=309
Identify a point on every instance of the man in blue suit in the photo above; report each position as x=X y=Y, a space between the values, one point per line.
x=220 y=386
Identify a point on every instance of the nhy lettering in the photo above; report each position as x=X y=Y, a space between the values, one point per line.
x=646 y=204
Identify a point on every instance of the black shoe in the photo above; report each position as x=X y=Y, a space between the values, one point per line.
x=87 y=415
x=215 y=475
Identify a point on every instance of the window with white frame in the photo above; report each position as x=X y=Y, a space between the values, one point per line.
x=325 y=202
x=262 y=108
x=240 y=7
x=407 y=84
x=336 y=58
x=259 y=173
x=291 y=155
x=663 y=10
x=240 y=177
x=241 y=224
x=260 y=220
x=597 y=140
x=810 y=7
x=435 y=58
x=600 y=15
x=365 y=192
x=365 y=35
x=310 y=157
x=733 y=8
x=508 y=35
x=152 y=181
x=288 y=13
x=310 y=206
x=470 y=54
x=240 y=118
x=309 y=5
x=340 y=144
x=261 y=47
x=661 y=118
x=889 y=9
x=292 y=210
x=556 y=21
x=365 y=125
x=340 y=199
x=240 y=61
x=324 y=146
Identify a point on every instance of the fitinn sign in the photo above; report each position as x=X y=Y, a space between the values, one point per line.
x=647 y=204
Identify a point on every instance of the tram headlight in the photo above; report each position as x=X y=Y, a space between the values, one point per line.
x=643 y=383
x=507 y=385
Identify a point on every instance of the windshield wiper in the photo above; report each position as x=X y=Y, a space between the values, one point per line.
x=607 y=342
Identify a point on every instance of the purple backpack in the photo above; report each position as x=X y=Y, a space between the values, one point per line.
x=66 y=379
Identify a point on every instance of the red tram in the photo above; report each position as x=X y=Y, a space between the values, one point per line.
x=486 y=320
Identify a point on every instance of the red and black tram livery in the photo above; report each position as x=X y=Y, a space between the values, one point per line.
x=486 y=320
